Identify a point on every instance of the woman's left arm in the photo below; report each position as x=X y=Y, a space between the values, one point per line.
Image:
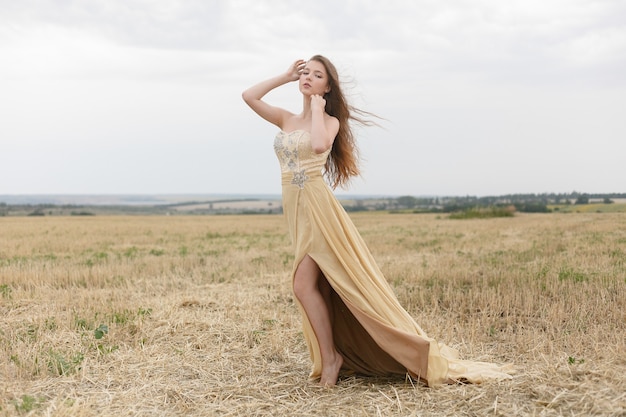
x=323 y=128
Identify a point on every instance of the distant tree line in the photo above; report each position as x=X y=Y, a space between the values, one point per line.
x=47 y=209
x=527 y=203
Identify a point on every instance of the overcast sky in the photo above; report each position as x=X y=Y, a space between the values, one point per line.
x=479 y=97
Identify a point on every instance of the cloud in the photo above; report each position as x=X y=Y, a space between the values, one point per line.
x=523 y=42
x=463 y=83
x=152 y=24
x=524 y=39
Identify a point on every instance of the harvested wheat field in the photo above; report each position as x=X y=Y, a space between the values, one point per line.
x=172 y=316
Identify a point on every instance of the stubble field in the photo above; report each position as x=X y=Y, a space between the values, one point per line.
x=171 y=316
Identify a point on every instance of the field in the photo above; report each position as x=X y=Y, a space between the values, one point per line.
x=193 y=315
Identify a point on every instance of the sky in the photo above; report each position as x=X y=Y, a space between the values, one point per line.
x=476 y=97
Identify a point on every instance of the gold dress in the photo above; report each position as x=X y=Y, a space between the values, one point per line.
x=372 y=331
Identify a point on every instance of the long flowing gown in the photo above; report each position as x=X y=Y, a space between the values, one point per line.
x=372 y=331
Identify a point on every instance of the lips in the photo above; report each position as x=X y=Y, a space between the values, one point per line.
x=307 y=85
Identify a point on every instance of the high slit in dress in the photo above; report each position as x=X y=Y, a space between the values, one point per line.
x=372 y=331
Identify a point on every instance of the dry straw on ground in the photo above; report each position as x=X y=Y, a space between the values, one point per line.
x=178 y=316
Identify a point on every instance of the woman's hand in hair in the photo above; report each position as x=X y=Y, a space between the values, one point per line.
x=295 y=70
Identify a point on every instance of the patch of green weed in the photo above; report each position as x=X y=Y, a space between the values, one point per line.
x=27 y=404
x=60 y=364
x=569 y=274
x=482 y=213
x=6 y=290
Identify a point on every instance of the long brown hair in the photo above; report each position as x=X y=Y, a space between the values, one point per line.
x=343 y=161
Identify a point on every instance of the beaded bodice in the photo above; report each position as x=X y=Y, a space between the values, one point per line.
x=296 y=156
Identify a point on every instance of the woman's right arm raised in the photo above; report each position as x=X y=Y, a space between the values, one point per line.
x=253 y=95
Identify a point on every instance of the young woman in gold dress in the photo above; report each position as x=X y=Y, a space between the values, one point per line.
x=351 y=317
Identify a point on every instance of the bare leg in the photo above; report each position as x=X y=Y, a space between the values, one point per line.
x=306 y=287
x=325 y=290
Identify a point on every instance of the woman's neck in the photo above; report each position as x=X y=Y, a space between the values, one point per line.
x=306 y=107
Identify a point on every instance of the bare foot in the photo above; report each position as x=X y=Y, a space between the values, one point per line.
x=330 y=372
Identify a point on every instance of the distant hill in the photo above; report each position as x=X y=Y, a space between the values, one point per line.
x=122 y=199
x=211 y=204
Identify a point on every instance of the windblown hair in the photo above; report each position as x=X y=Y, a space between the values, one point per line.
x=343 y=161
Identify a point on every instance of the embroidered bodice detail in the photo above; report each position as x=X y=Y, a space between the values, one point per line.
x=297 y=158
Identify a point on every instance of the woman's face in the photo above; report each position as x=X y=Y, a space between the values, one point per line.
x=314 y=79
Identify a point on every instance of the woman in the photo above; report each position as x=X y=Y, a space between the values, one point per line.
x=351 y=317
